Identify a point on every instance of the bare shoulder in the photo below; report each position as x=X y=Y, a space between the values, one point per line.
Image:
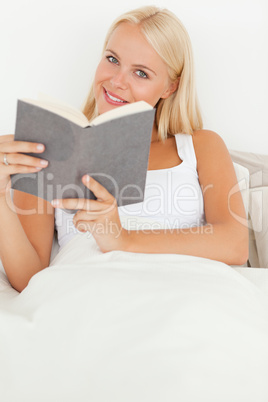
x=214 y=163
x=205 y=138
x=210 y=148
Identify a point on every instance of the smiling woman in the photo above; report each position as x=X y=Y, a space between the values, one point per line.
x=147 y=56
x=119 y=77
x=151 y=44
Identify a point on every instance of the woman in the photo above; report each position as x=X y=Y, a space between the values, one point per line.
x=147 y=56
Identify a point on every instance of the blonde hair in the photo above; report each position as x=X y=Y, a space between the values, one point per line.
x=180 y=112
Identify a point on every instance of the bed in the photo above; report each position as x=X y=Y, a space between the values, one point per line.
x=131 y=327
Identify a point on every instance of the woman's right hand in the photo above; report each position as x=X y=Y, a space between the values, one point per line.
x=13 y=160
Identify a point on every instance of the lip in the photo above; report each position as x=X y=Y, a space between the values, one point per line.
x=112 y=102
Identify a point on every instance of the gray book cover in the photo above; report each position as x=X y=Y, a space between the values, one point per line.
x=115 y=153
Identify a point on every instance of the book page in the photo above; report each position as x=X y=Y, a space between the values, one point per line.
x=50 y=99
x=61 y=109
x=120 y=111
x=76 y=116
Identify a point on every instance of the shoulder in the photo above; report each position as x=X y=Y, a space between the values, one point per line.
x=206 y=137
x=209 y=146
x=212 y=155
x=214 y=162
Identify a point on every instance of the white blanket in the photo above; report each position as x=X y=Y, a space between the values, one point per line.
x=126 y=327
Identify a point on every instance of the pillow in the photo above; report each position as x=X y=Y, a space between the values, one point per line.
x=242 y=175
x=258 y=203
x=257 y=166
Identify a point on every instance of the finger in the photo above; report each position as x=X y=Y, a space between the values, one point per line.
x=21 y=159
x=21 y=146
x=85 y=226
x=84 y=216
x=99 y=191
x=14 y=169
x=81 y=204
x=6 y=138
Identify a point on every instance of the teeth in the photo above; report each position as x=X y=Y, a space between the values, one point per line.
x=113 y=98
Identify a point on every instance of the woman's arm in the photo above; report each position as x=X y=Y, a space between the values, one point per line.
x=27 y=226
x=223 y=238
x=25 y=237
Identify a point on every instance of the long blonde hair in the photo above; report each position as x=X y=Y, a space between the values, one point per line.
x=180 y=112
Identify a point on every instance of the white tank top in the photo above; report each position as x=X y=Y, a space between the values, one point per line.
x=172 y=199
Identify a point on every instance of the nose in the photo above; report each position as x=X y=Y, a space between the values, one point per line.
x=120 y=80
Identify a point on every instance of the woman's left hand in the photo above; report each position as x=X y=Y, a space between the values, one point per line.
x=100 y=217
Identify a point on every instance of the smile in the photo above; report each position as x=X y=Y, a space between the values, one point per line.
x=112 y=99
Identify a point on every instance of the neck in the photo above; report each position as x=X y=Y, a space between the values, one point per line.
x=154 y=137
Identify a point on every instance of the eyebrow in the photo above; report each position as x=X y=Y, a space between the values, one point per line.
x=134 y=65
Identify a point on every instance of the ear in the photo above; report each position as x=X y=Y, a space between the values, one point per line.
x=171 y=89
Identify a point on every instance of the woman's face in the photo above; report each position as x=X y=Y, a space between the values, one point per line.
x=129 y=71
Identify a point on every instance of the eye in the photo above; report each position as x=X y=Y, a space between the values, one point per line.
x=112 y=59
x=141 y=74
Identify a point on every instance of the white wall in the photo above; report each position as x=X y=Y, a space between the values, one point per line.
x=53 y=46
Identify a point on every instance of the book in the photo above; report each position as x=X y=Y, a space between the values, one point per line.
x=113 y=149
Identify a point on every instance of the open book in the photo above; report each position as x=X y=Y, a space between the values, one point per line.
x=113 y=148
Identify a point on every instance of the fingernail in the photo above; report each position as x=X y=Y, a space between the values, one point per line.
x=43 y=162
x=87 y=177
x=55 y=203
x=40 y=147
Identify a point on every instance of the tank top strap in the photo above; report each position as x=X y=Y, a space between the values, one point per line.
x=185 y=149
